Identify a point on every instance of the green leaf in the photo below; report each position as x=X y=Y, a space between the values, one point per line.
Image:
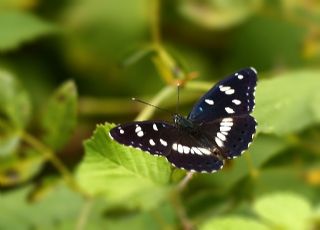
x=9 y=143
x=263 y=148
x=19 y=27
x=284 y=210
x=233 y=222
x=215 y=14
x=17 y=169
x=288 y=103
x=122 y=174
x=47 y=214
x=15 y=105
x=59 y=118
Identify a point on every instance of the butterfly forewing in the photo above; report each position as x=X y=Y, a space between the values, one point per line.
x=155 y=137
x=230 y=97
x=159 y=138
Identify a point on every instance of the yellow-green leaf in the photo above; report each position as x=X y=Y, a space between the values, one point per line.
x=122 y=175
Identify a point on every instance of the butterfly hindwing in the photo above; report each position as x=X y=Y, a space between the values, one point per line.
x=230 y=97
x=191 y=154
x=232 y=135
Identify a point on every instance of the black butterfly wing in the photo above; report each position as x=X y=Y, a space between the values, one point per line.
x=231 y=135
x=232 y=96
x=193 y=155
x=159 y=138
x=152 y=136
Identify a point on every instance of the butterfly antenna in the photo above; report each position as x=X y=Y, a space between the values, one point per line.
x=146 y=103
x=178 y=98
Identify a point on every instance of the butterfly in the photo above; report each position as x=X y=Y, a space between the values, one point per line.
x=219 y=127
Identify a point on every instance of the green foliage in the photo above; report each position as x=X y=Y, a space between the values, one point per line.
x=120 y=173
x=230 y=223
x=59 y=118
x=47 y=214
x=19 y=27
x=284 y=100
x=215 y=14
x=284 y=211
x=14 y=100
x=275 y=211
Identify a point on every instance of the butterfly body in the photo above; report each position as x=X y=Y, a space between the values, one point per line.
x=219 y=127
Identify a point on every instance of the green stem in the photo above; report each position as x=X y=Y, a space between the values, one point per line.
x=49 y=154
x=155 y=22
x=176 y=203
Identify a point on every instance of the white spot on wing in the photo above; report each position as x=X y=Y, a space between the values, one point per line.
x=209 y=102
x=110 y=136
x=155 y=128
x=229 y=91
x=226 y=123
x=240 y=76
x=229 y=110
x=140 y=133
x=205 y=151
x=224 y=88
x=121 y=131
x=197 y=151
x=152 y=142
x=236 y=101
x=175 y=147
x=180 y=148
x=227 y=119
x=219 y=142
x=186 y=149
x=221 y=136
x=138 y=128
x=163 y=142
x=225 y=128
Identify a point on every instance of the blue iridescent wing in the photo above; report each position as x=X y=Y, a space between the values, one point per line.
x=232 y=96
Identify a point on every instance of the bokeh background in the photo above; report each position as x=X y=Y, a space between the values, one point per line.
x=66 y=66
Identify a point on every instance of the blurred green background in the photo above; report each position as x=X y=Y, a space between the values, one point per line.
x=66 y=66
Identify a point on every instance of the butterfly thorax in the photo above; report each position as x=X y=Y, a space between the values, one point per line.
x=184 y=124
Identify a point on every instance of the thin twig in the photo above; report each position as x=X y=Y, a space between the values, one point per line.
x=254 y=172
x=49 y=154
x=183 y=183
x=180 y=210
x=155 y=22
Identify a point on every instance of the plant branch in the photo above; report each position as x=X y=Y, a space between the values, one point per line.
x=180 y=210
x=49 y=154
x=184 y=182
x=155 y=21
